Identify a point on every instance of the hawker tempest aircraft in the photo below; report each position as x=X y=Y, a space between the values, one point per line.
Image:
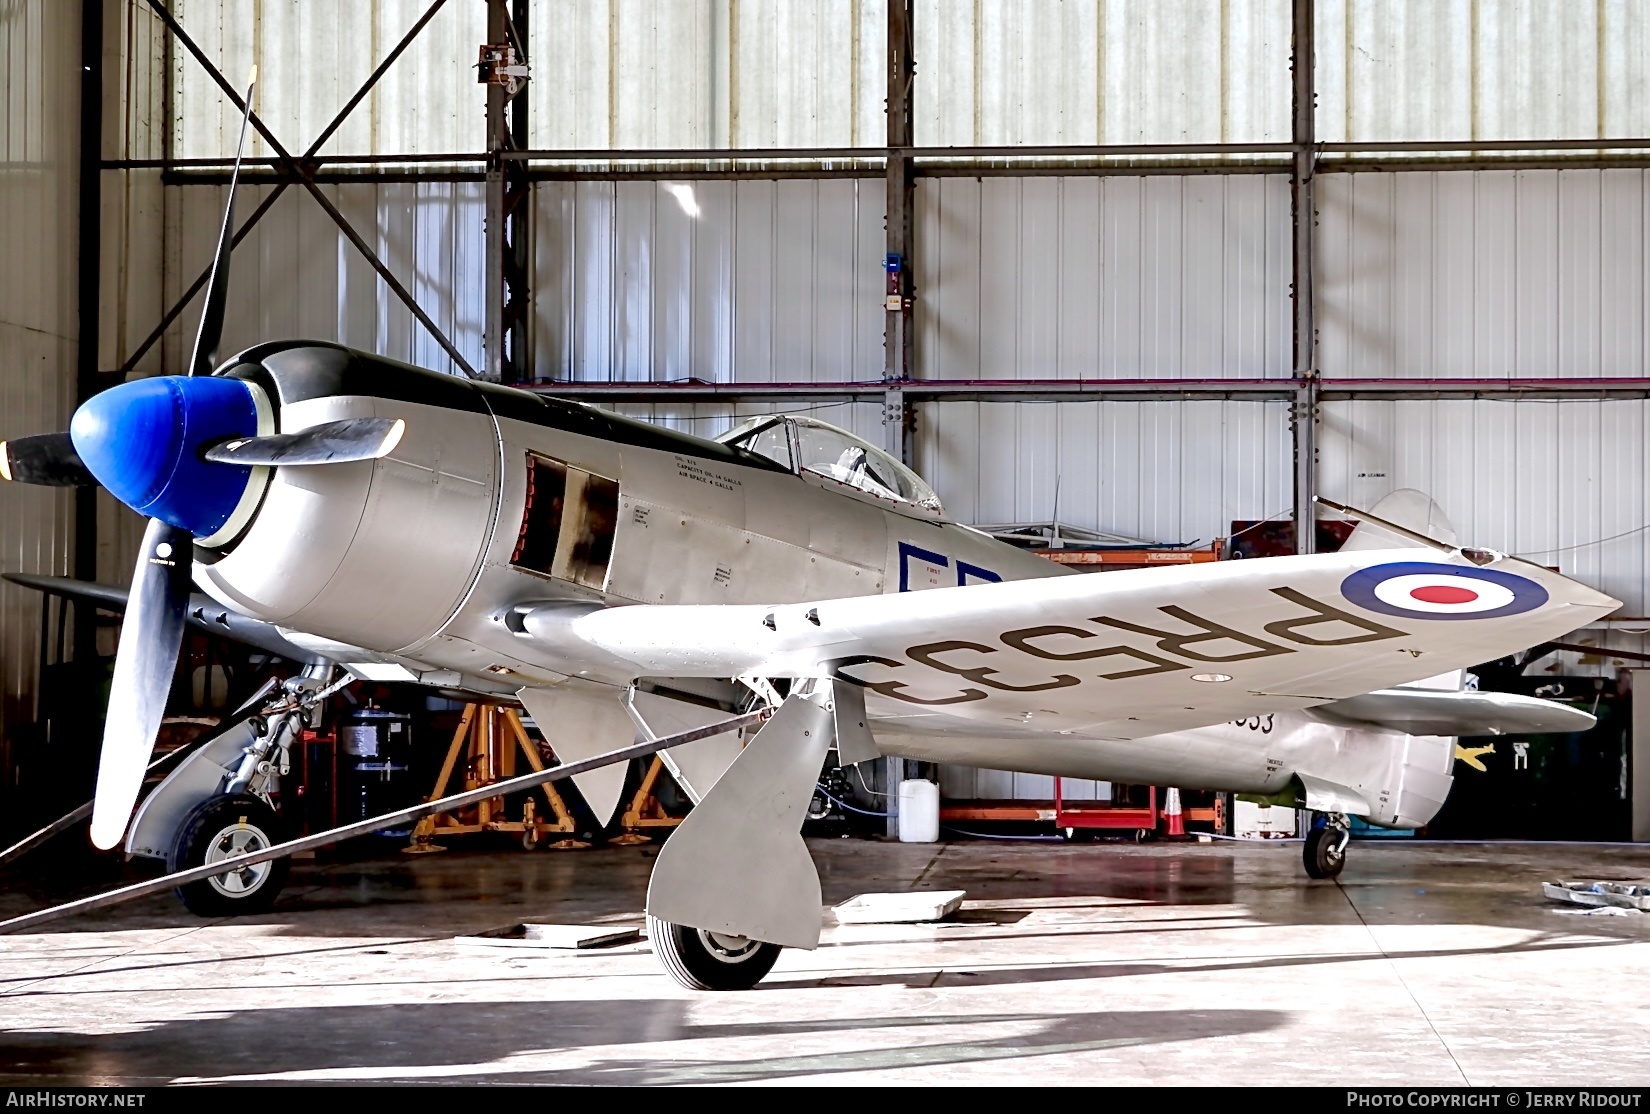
x=616 y=577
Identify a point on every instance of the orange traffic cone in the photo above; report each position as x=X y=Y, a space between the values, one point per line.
x=1171 y=813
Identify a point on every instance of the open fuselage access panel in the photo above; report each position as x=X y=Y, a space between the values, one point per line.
x=568 y=523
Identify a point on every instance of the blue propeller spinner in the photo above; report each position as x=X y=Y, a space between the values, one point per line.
x=144 y=441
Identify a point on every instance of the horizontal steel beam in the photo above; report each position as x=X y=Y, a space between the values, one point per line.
x=446 y=171
x=1546 y=388
x=880 y=154
x=1074 y=390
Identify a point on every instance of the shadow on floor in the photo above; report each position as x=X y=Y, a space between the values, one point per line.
x=480 y=1041
x=1011 y=976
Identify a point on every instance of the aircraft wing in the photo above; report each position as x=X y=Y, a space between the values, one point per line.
x=203 y=613
x=1115 y=655
x=1423 y=712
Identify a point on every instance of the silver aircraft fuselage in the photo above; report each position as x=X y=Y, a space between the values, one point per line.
x=498 y=498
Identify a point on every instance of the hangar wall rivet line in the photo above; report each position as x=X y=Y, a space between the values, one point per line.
x=366 y=827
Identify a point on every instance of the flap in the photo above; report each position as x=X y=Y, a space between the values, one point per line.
x=1326 y=796
x=854 y=741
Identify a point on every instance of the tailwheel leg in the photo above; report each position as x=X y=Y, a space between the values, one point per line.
x=1325 y=850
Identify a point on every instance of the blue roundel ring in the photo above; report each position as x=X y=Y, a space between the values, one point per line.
x=1427 y=590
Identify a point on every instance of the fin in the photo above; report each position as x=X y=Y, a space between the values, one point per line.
x=581 y=720
x=1406 y=507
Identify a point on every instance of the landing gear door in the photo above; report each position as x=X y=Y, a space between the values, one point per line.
x=568 y=523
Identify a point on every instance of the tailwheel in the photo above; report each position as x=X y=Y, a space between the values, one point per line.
x=703 y=960
x=1325 y=850
x=221 y=828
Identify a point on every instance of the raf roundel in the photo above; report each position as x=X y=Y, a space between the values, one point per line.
x=1425 y=590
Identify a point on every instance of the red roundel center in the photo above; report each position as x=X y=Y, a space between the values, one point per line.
x=1442 y=593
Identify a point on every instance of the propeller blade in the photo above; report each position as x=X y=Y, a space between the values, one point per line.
x=48 y=459
x=210 y=334
x=328 y=443
x=145 y=660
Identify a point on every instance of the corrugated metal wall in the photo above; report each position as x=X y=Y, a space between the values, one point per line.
x=295 y=275
x=1110 y=278
x=1493 y=274
x=1549 y=480
x=1170 y=471
x=723 y=281
x=39 y=74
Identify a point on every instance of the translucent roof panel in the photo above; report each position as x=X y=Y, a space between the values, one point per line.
x=689 y=74
x=312 y=57
x=1102 y=71
x=1411 y=70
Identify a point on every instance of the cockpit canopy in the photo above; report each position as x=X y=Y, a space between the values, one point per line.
x=808 y=445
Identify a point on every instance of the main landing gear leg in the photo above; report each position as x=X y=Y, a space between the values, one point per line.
x=1325 y=851
x=734 y=883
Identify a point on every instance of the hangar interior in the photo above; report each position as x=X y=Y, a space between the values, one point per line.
x=1097 y=208
x=1132 y=282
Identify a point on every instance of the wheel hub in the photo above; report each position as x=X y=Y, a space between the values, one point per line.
x=728 y=949
x=238 y=839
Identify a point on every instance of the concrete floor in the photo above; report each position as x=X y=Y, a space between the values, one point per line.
x=1093 y=963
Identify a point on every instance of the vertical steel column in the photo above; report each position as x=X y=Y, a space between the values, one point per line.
x=1303 y=214
x=897 y=337
x=87 y=281
x=518 y=217
x=498 y=141
x=509 y=209
x=896 y=343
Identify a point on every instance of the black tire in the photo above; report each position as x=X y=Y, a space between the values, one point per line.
x=227 y=825
x=1324 y=853
x=701 y=960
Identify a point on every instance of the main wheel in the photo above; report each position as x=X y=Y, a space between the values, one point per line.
x=1325 y=852
x=704 y=960
x=219 y=828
